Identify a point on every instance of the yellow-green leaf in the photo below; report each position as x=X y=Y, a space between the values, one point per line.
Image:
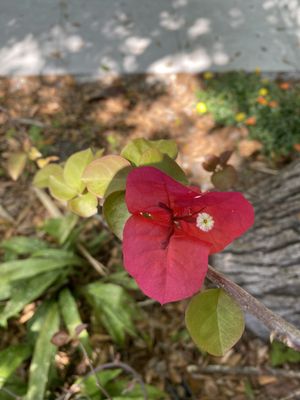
x=84 y=205
x=116 y=213
x=164 y=163
x=16 y=164
x=59 y=189
x=106 y=175
x=74 y=167
x=137 y=147
x=41 y=178
x=215 y=321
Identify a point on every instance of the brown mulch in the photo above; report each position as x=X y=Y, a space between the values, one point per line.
x=108 y=113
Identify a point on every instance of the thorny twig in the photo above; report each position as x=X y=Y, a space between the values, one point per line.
x=279 y=328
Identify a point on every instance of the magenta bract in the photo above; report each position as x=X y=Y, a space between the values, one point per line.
x=172 y=231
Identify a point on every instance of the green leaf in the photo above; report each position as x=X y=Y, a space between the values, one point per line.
x=61 y=228
x=41 y=178
x=106 y=175
x=22 y=245
x=280 y=354
x=137 y=147
x=43 y=356
x=89 y=385
x=71 y=317
x=85 y=205
x=121 y=389
x=14 y=385
x=116 y=213
x=22 y=269
x=121 y=278
x=16 y=164
x=10 y=359
x=36 y=322
x=164 y=163
x=5 y=291
x=59 y=188
x=214 y=321
x=74 y=167
x=114 y=308
x=24 y=291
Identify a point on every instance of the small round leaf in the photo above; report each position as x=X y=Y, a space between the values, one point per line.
x=224 y=179
x=137 y=147
x=41 y=178
x=215 y=321
x=84 y=205
x=59 y=189
x=106 y=175
x=116 y=213
x=163 y=162
x=74 y=167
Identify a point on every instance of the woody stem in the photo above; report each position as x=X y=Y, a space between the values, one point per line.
x=279 y=328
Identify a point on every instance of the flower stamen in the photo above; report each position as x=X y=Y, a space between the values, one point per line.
x=204 y=222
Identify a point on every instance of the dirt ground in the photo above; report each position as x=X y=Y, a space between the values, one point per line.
x=72 y=116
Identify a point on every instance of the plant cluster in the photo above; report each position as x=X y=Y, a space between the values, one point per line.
x=269 y=109
x=168 y=229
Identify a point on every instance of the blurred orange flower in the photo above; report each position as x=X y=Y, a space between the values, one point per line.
x=251 y=121
x=261 y=100
x=273 y=104
x=297 y=147
x=284 y=85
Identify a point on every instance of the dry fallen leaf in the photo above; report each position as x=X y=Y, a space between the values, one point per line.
x=16 y=164
x=248 y=147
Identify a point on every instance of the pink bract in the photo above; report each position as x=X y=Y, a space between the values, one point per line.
x=172 y=231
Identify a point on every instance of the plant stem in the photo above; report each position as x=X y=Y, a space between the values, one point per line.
x=279 y=328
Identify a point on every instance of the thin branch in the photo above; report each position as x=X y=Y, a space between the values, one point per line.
x=279 y=328
x=291 y=396
x=93 y=371
x=97 y=265
x=127 y=368
x=10 y=393
x=251 y=371
x=47 y=202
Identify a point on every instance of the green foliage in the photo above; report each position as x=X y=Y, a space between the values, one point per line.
x=106 y=175
x=10 y=359
x=43 y=355
x=61 y=229
x=135 y=149
x=35 y=270
x=214 y=321
x=21 y=246
x=71 y=317
x=114 y=308
x=281 y=354
x=120 y=388
x=235 y=97
x=116 y=213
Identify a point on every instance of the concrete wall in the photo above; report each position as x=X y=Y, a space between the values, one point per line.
x=93 y=37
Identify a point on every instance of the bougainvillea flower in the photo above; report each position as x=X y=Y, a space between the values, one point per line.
x=173 y=229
